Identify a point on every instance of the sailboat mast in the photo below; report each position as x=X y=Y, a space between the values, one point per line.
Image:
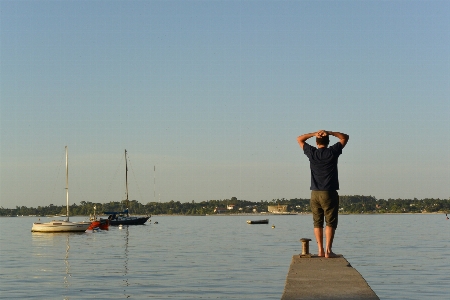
x=67 y=185
x=154 y=183
x=126 y=177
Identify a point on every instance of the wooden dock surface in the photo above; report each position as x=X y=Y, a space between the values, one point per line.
x=325 y=278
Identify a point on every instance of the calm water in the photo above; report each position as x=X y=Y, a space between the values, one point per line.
x=219 y=257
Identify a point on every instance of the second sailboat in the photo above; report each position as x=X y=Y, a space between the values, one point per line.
x=124 y=218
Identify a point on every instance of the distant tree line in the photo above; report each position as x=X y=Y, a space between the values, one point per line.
x=348 y=204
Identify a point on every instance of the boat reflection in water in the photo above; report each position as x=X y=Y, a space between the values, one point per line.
x=125 y=260
x=66 y=262
x=51 y=249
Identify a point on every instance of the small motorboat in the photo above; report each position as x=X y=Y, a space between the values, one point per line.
x=102 y=224
x=98 y=223
x=265 y=221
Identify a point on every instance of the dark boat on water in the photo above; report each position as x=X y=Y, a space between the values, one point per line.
x=265 y=221
x=124 y=218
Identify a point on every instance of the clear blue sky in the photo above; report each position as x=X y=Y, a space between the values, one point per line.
x=215 y=93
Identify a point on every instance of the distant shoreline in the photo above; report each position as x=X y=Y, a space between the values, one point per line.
x=247 y=215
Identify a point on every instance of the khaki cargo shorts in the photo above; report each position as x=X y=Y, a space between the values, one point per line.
x=325 y=204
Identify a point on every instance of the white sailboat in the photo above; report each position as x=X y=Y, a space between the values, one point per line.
x=60 y=225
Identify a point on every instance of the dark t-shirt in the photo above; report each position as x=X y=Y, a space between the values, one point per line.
x=323 y=163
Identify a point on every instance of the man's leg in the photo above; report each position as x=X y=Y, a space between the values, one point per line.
x=318 y=233
x=318 y=218
x=331 y=207
x=329 y=232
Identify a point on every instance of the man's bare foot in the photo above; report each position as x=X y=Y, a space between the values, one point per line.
x=321 y=253
x=331 y=255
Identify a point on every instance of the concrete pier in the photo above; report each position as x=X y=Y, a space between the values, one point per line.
x=325 y=278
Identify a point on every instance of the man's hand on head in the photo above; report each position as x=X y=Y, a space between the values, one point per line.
x=321 y=133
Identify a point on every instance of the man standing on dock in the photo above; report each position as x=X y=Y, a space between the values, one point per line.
x=324 y=184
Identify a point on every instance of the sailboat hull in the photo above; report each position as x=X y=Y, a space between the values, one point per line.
x=128 y=221
x=60 y=226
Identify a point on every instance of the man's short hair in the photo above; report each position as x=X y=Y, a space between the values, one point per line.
x=325 y=140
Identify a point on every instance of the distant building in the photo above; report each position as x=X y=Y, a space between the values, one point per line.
x=278 y=209
x=219 y=210
x=230 y=207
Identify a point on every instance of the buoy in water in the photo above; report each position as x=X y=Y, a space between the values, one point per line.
x=273 y=226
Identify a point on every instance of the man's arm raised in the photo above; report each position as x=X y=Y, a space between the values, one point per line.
x=302 y=139
x=343 y=138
